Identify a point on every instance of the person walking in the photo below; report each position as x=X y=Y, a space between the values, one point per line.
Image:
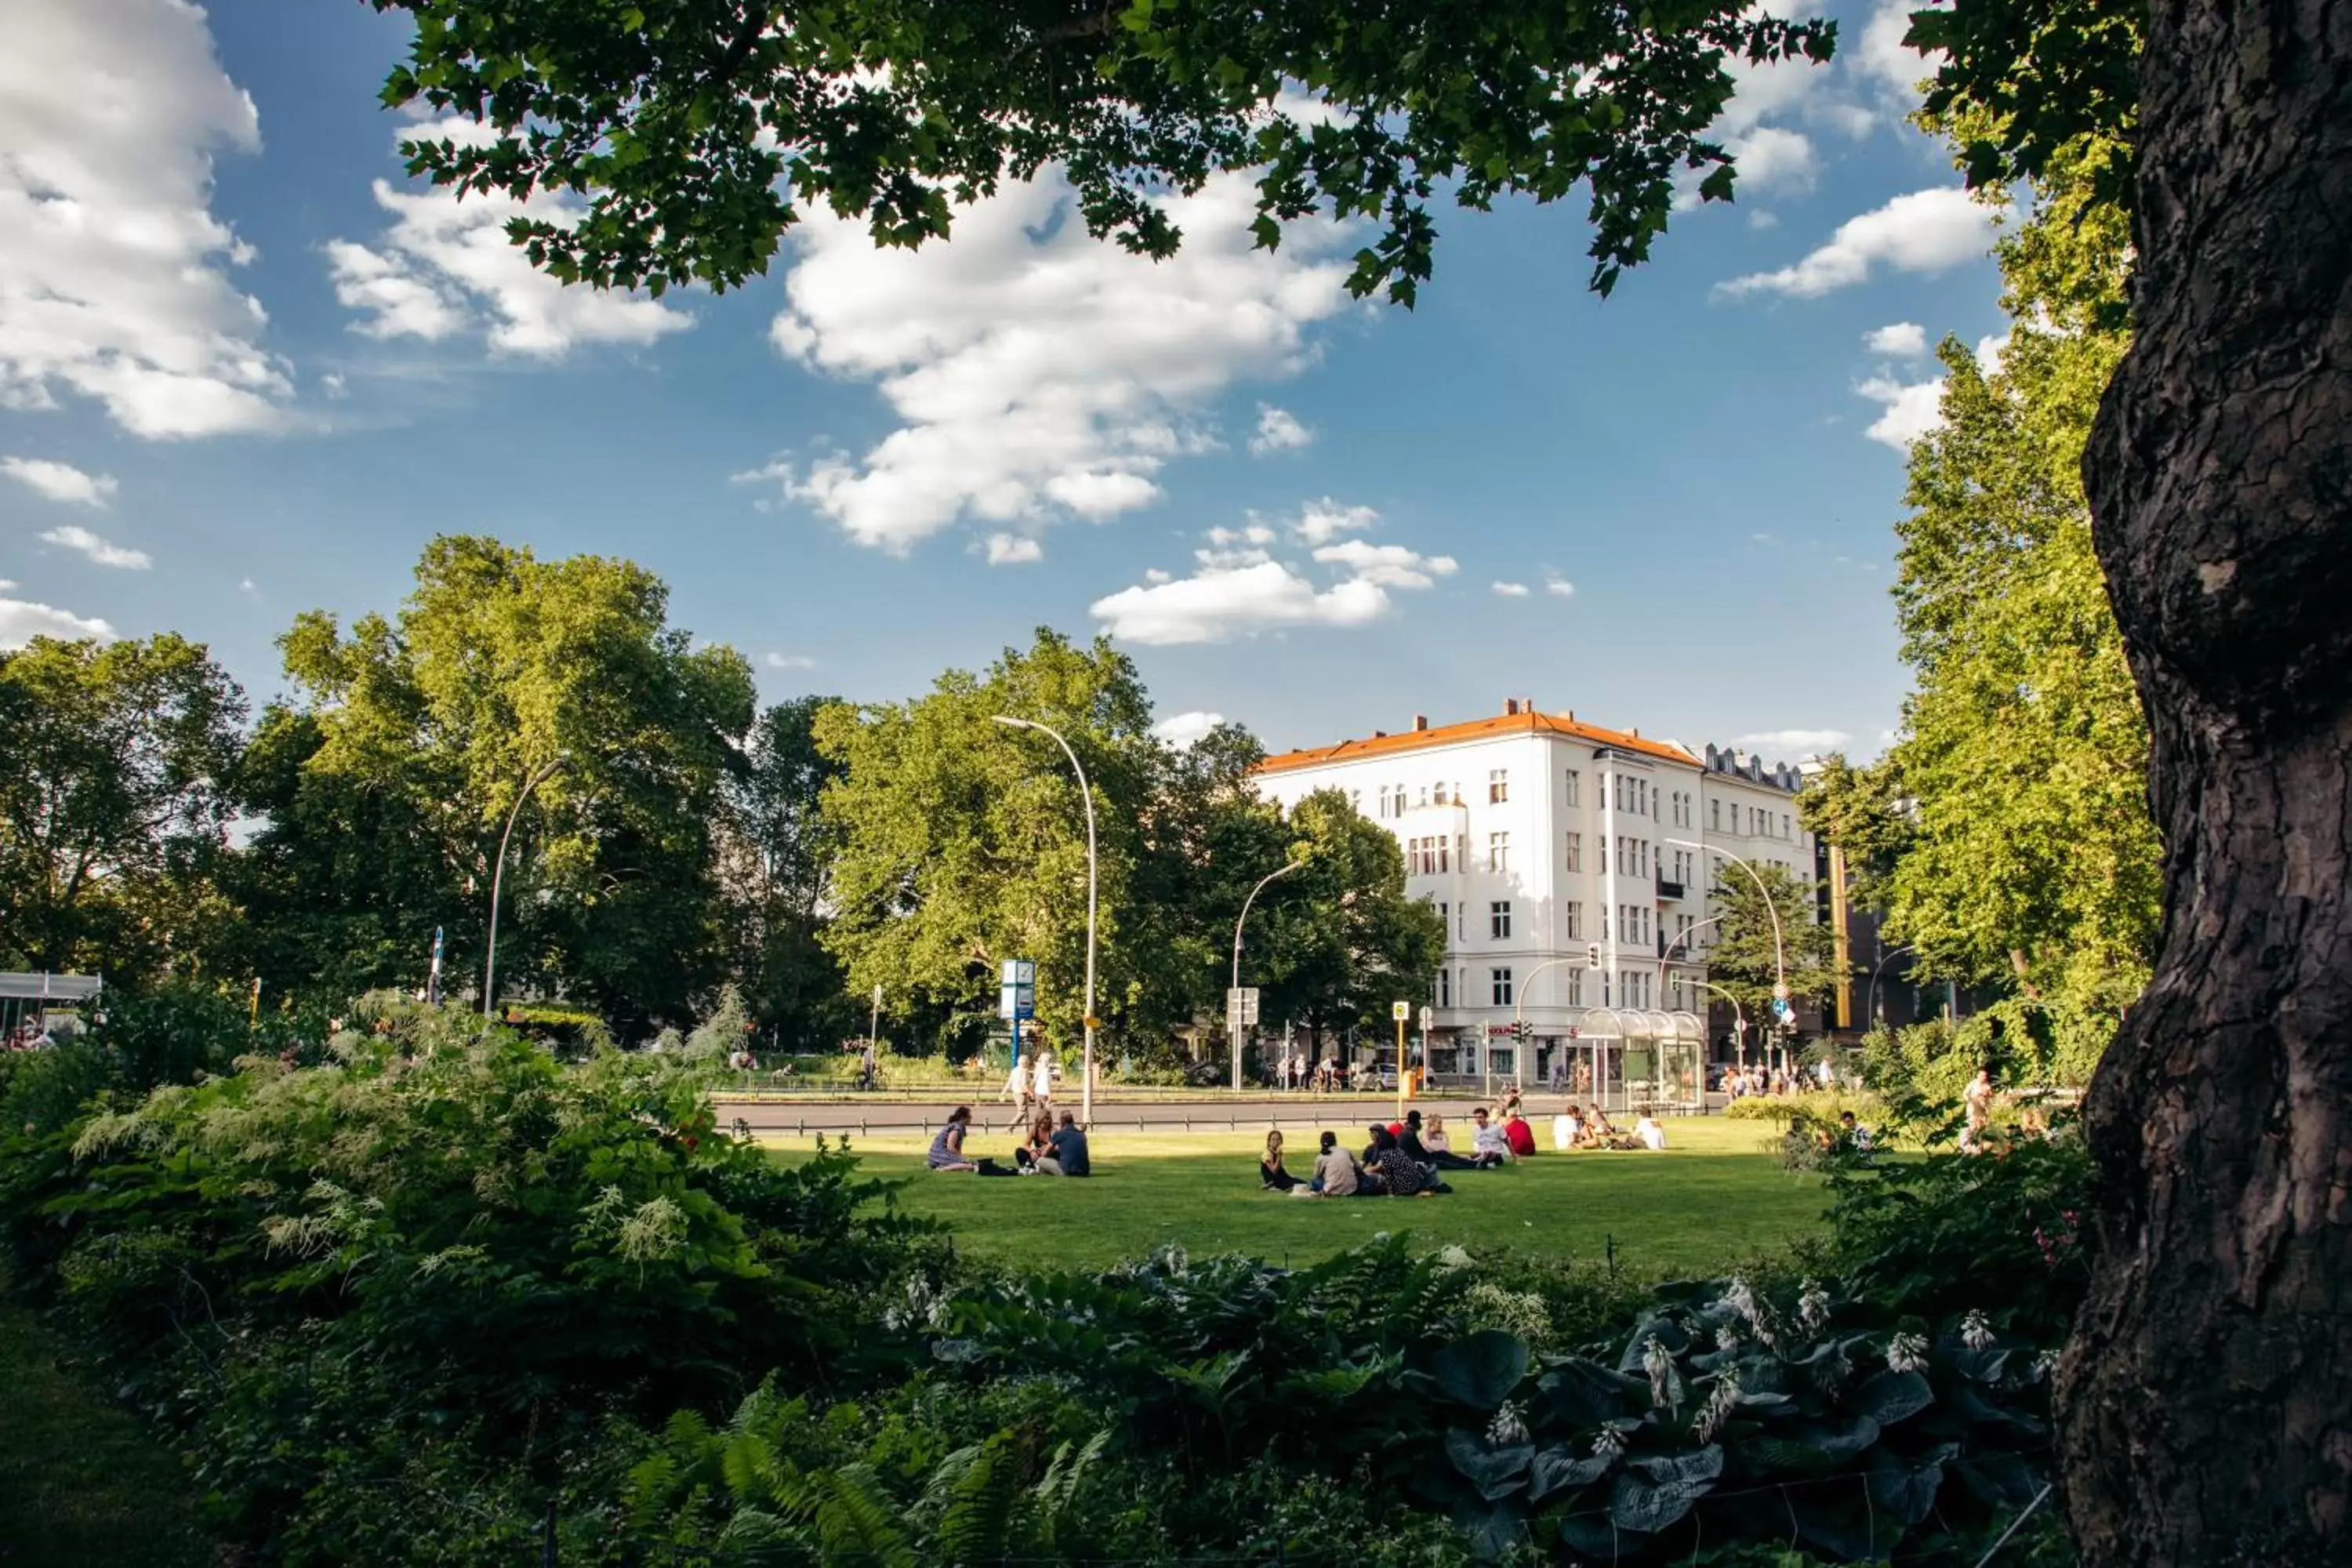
x=1979 y=1100
x=1045 y=1082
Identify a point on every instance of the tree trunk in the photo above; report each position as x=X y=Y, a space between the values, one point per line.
x=2205 y=1406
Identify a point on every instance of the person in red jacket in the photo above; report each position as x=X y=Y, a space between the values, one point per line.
x=1520 y=1136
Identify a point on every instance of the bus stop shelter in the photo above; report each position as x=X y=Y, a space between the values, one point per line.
x=28 y=999
x=1631 y=1059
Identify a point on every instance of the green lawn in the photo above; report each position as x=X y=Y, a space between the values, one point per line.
x=1712 y=1198
x=81 y=1483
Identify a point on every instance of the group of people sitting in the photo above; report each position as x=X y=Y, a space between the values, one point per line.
x=1402 y=1159
x=1048 y=1150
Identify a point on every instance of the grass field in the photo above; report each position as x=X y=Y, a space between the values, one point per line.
x=1712 y=1198
x=81 y=1483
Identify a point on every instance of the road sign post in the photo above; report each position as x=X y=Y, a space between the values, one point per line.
x=1400 y=1011
x=1016 y=999
x=1241 y=1017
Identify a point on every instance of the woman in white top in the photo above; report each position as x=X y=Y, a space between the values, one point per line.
x=1652 y=1136
x=1565 y=1128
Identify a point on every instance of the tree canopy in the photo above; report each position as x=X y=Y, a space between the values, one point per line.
x=115 y=801
x=700 y=130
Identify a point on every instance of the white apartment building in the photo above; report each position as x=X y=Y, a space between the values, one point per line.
x=1574 y=866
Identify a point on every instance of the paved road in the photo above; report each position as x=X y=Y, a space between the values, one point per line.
x=1223 y=1113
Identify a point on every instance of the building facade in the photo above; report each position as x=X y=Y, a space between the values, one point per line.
x=1574 y=866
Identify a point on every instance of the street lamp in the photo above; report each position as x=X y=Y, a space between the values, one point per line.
x=1667 y=957
x=1282 y=870
x=1870 y=1013
x=1086 y=1085
x=1779 y=954
x=1519 y=1020
x=498 y=875
x=1738 y=1019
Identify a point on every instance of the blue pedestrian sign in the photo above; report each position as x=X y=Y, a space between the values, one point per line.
x=1016 y=990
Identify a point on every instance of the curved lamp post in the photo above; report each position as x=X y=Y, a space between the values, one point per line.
x=1519 y=1017
x=1870 y=1013
x=1779 y=954
x=1087 y=1086
x=1668 y=956
x=1282 y=870
x=498 y=876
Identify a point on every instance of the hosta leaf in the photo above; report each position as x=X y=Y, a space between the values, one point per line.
x=1494 y=1471
x=1492 y=1530
x=1559 y=1467
x=1772 y=1457
x=1905 y=1490
x=1580 y=1395
x=1699 y=1465
x=1597 y=1536
x=1890 y=1397
x=1480 y=1369
x=1638 y=1503
x=1841 y=1440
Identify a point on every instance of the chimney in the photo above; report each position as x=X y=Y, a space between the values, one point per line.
x=1380 y=734
x=1419 y=722
x=1510 y=707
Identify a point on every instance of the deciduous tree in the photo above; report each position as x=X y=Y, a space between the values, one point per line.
x=115 y=801
x=2220 y=477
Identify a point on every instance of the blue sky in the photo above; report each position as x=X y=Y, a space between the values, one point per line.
x=247 y=369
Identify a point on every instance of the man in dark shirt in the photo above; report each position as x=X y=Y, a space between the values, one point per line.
x=1069 y=1155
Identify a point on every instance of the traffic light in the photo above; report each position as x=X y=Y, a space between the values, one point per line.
x=1591 y=955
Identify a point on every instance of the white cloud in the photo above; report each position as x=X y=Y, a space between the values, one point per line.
x=1183 y=730
x=1218 y=602
x=787 y=660
x=1034 y=370
x=59 y=482
x=1390 y=566
x=445 y=268
x=1013 y=549
x=1511 y=590
x=1913 y=409
x=1320 y=522
x=1924 y=231
x=1278 y=430
x=1902 y=340
x=1559 y=587
x=21 y=621
x=1772 y=161
x=245 y=586
x=1785 y=740
x=105 y=552
x=114 y=279
x=1881 y=56
x=332 y=383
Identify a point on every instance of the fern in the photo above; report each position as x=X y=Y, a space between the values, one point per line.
x=983 y=1508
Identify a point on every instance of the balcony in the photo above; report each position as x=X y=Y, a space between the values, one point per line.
x=1669 y=889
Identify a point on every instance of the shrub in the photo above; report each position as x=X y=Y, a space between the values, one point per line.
x=442 y=1255
x=2003 y=1230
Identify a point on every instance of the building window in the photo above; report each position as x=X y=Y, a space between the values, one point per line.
x=1676 y=983
x=1573 y=779
x=1356 y=801
x=1498 y=919
x=1445 y=920
x=1786 y=831
x=1604 y=989
x=1574 y=915
x=1715 y=812
x=1499 y=786
x=1437 y=797
x=1445 y=987
x=1499 y=853
x=1576 y=851
x=1575 y=987
x=1502 y=987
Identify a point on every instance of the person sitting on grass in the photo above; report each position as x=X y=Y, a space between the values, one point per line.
x=1335 y=1170
x=1853 y=1138
x=1066 y=1156
x=1401 y=1175
x=1652 y=1136
x=1271 y=1177
x=1373 y=1134
x=1566 y=1128
x=1438 y=1145
x=1038 y=1146
x=947 y=1148
x=1517 y=1133
x=1490 y=1146
x=1408 y=1137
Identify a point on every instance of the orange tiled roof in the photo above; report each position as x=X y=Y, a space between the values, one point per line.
x=1501 y=724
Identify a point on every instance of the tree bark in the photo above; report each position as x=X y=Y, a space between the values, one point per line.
x=2205 y=1405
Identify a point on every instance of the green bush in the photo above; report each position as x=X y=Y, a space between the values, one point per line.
x=2003 y=1231
x=441 y=1256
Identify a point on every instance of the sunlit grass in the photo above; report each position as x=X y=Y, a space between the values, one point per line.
x=1713 y=1197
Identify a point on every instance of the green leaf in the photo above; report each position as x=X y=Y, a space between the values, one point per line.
x=1637 y=1503
x=1558 y=1466
x=1890 y=1397
x=1480 y=1369
x=1494 y=1471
